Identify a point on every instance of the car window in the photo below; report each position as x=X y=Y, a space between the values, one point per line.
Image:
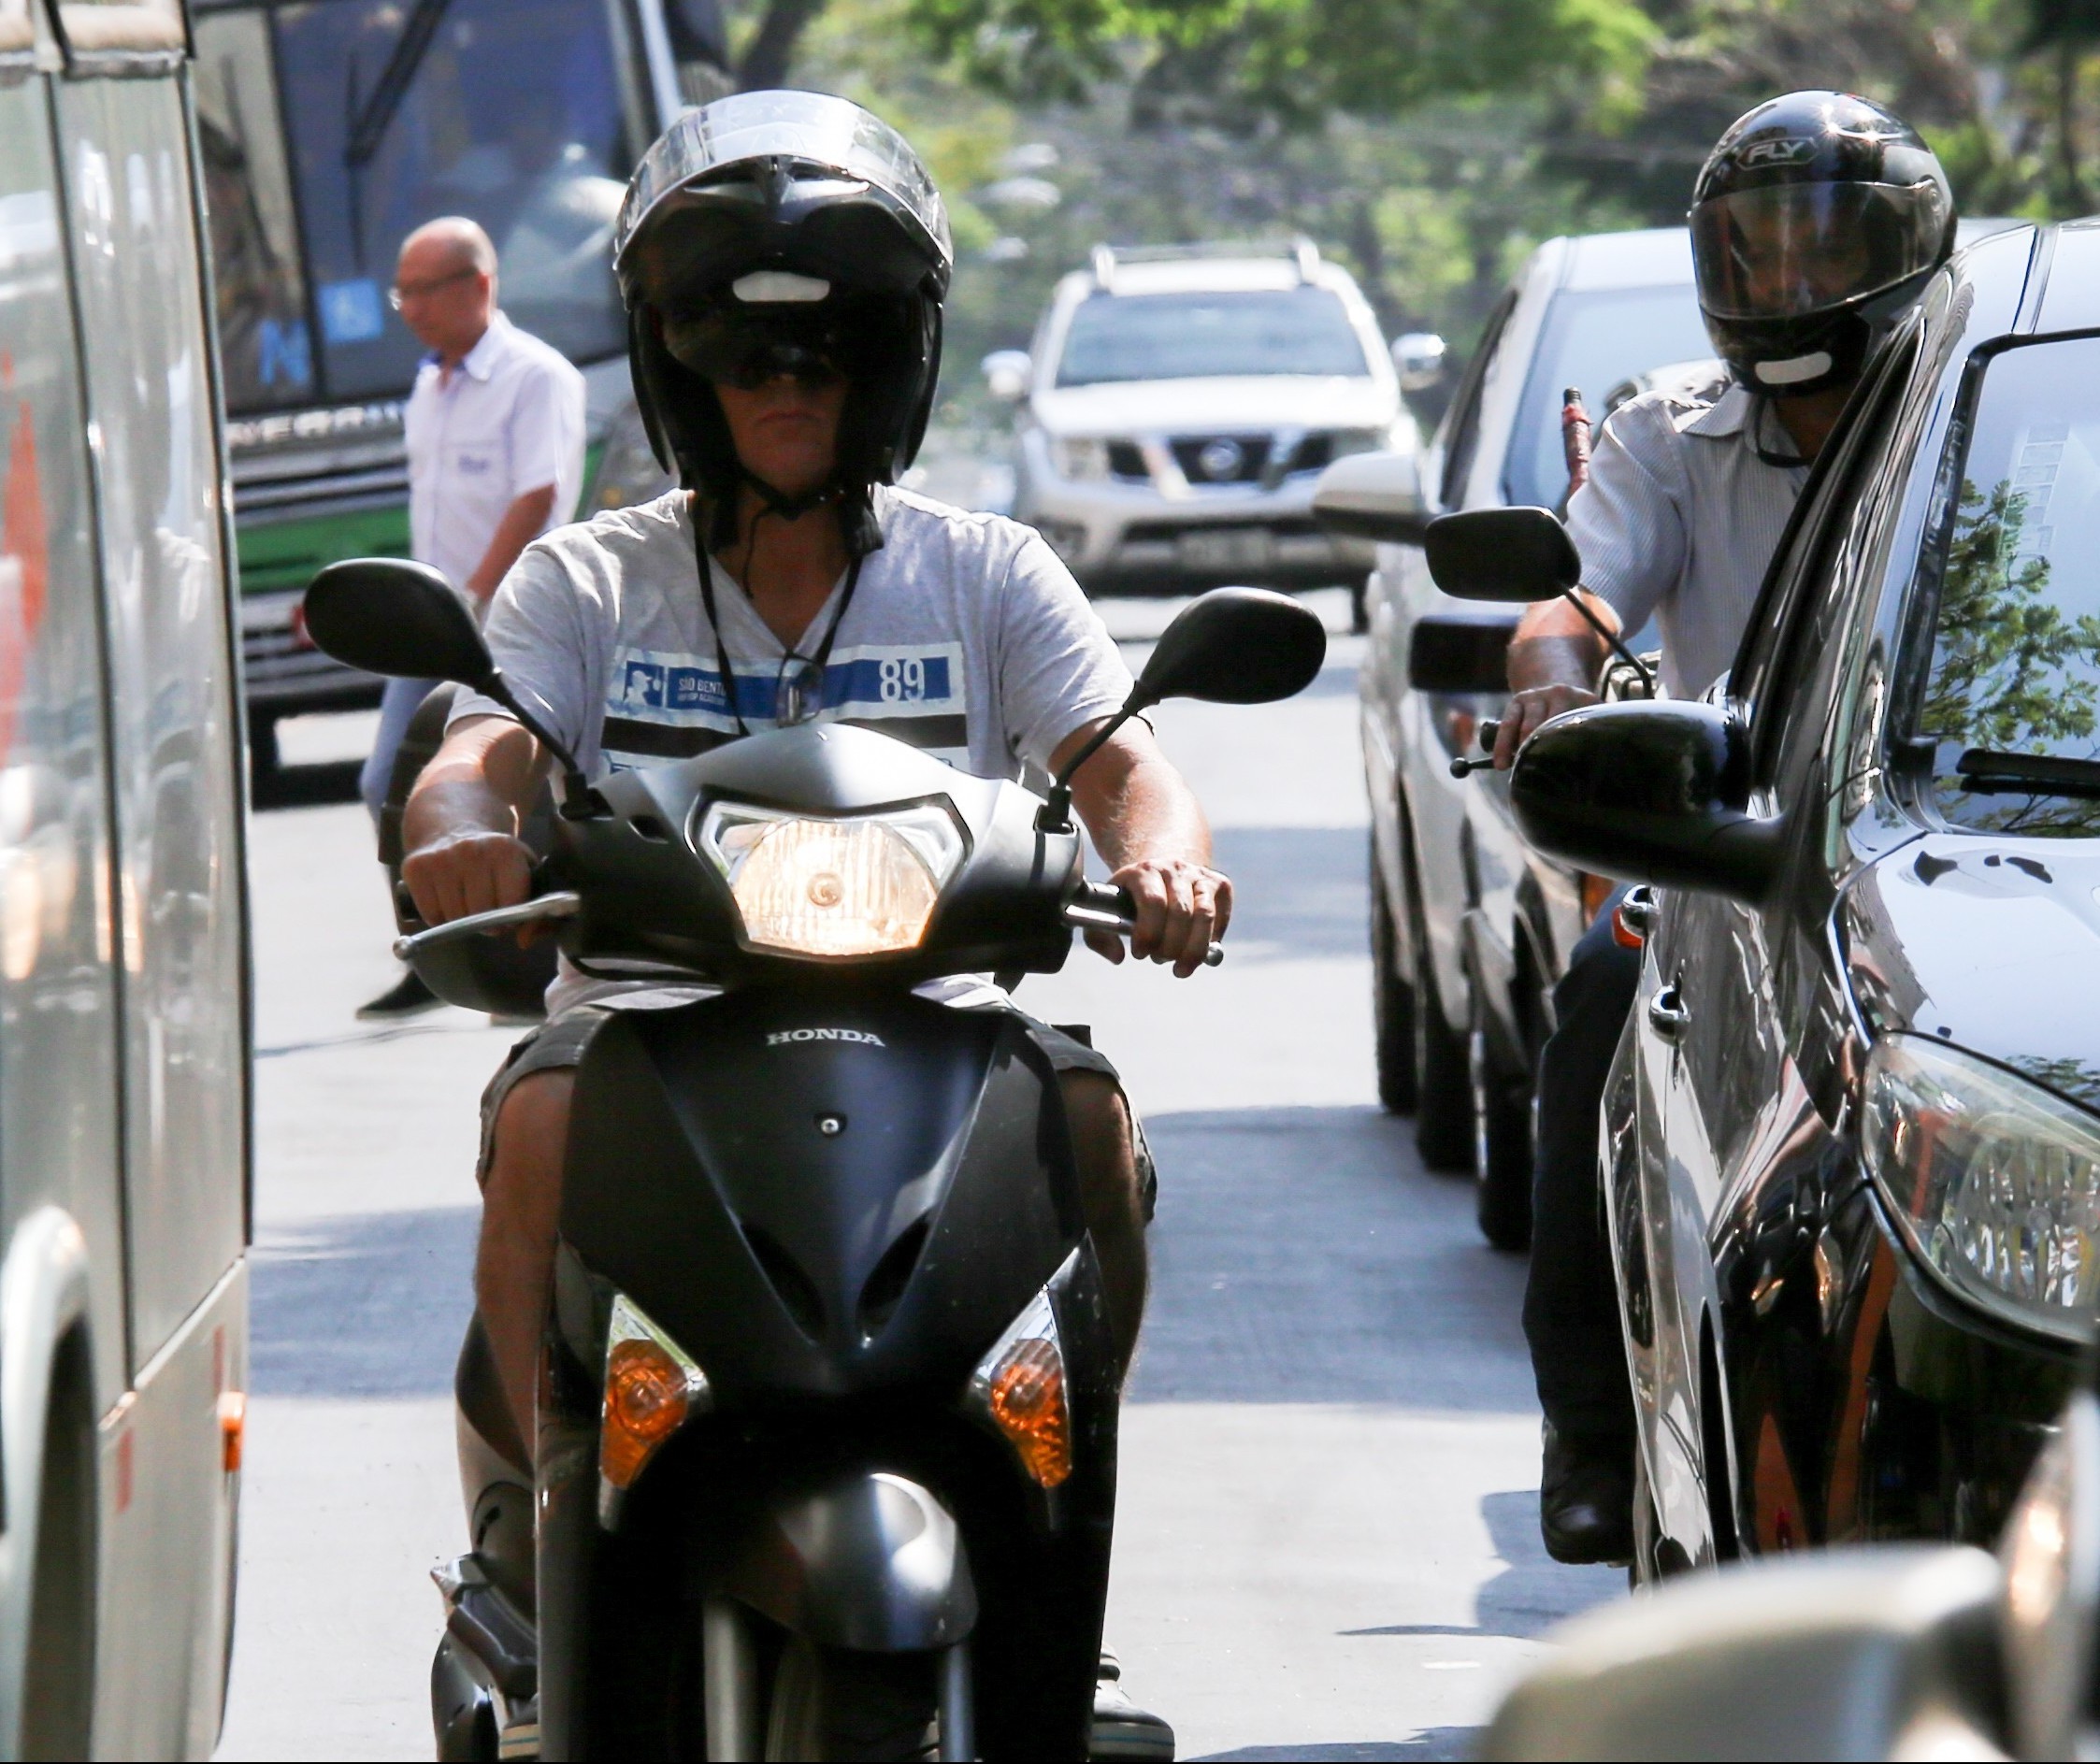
x=1463 y=426
x=1196 y=336
x=2011 y=701
x=1593 y=341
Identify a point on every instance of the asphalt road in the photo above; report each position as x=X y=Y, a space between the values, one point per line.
x=1327 y=1545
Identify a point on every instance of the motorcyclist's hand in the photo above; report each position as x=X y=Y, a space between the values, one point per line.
x=1182 y=910
x=1529 y=707
x=472 y=871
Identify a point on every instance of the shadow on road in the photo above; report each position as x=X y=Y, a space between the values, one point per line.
x=1432 y=1742
x=1301 y=889
x=1305 y=1256
x=367 y=1306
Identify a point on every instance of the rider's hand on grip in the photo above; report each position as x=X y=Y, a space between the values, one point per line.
x=1177 y=909
x=472 y=871
x=1527 y=710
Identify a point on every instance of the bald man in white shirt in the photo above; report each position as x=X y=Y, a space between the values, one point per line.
x=495 y=458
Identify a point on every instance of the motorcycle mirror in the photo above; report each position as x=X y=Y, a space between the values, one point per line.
x=1235 y=646
x=1231 y=646
x=1510 y=554
x=389 y=616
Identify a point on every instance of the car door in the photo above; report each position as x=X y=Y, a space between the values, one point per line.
x=1717 y=1013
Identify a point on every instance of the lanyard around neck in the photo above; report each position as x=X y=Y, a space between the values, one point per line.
x=815 y=663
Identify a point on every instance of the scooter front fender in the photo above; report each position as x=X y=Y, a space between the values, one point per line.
x=870 y=1561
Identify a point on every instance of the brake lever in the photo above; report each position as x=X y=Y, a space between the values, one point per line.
x=556 y=906
x=1489 y=730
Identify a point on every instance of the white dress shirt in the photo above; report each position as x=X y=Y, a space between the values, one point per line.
x=510 y=420
x=1680 y=517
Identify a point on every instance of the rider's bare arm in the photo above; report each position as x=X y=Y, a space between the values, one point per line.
x=461 y=826
x=1146 y=823
x=1553 y=664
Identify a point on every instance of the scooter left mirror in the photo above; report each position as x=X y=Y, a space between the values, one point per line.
x=1235 y=646
x=389 y=616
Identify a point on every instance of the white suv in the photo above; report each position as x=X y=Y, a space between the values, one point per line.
x=1178 y=405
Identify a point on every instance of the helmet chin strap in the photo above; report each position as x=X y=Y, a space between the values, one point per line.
x=857 y=519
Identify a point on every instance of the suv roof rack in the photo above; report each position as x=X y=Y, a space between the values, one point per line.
x=1105 y=258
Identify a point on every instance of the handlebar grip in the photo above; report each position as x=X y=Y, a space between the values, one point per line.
x=1107 y=907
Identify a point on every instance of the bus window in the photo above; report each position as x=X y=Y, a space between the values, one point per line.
x=508 y=110
x=263 y=337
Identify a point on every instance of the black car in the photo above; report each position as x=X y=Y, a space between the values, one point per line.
x=1851 y=1146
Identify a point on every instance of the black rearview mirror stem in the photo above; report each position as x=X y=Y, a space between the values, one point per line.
x=1056 y=814
x=579 y=801
x=1573 y=597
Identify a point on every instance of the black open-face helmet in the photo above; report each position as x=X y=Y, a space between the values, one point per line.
x=783 y=233
x=1817 y=219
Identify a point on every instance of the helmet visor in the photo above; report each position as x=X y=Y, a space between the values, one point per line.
x=1789 y=251
x=750 y=349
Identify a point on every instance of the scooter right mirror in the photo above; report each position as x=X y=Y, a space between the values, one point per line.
x=1235 y=646
x=1519 y=555
x=389 y=616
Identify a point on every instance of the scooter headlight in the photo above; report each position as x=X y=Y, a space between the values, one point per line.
x=652 y=1387
x=837 y=886
x=1020 y=1386
x=1995 y=1182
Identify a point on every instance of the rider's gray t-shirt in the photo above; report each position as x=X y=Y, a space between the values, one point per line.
x=966 y=637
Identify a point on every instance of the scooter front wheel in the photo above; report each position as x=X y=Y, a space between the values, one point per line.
x=831 y=1703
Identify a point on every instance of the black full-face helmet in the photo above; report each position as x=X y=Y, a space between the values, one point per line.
x=1817 y=219
x=783 y=233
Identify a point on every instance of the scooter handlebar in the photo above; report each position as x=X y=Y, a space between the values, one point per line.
x=563 y=904
x=1105 y=907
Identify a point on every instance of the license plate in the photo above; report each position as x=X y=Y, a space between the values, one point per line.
x=1227 y=548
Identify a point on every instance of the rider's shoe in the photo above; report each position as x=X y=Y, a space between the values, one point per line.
x=407 y=998
x=1121 y=1729
x=1585 y=1500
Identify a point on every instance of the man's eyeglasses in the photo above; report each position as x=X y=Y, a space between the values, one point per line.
x=400 y=293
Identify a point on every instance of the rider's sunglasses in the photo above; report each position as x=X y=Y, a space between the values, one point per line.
x=401 y=293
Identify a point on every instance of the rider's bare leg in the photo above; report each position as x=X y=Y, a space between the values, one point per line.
x=521 y=1207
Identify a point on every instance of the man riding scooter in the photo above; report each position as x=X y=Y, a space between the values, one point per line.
x=785 y=323
x=1817 y=220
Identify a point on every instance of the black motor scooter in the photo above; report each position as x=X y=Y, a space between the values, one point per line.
x=826 y=1419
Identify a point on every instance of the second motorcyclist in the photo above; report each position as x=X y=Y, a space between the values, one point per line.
x=1817 y=220
x=785 y=259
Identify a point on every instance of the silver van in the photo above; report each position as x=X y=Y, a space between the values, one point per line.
x=124 y=1038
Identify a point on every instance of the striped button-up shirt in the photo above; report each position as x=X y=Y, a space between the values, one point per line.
x=1682 y=513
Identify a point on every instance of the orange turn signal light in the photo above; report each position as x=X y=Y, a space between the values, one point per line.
x=233 y=1427
x=1026 y=1398
x=646 y=1401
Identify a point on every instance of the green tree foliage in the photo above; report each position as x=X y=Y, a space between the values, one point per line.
x=2011 y=673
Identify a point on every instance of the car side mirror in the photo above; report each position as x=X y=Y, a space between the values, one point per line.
x=1510 y=554
x=1884 y=1652
x=1234 y=646
x=1372 y=497
x=1231 y=646
x=1653 y=791
x=389 y=616
x=1419 y=360
x=1458 y=653
x=1006 y=374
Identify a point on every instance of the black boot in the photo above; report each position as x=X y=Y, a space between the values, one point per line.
x=1121 y=1729
x=1586 y=1498
x=407 y=998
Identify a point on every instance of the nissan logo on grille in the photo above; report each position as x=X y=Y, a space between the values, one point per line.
x=1221 y=459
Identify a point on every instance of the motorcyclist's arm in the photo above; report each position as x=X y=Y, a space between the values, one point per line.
x=1554 y=660
x=1147 y=824
x=461 y=824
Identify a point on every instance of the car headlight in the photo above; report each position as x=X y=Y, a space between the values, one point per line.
x=1995 y=1182
x=1082 y=458
x=822 y=885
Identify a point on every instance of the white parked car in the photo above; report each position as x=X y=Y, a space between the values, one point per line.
x=1178 y=405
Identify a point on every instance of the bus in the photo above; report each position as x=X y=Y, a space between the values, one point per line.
x=123 y=1020
x=329 y=129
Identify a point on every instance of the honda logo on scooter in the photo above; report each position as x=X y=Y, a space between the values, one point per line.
x=779 y=1038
